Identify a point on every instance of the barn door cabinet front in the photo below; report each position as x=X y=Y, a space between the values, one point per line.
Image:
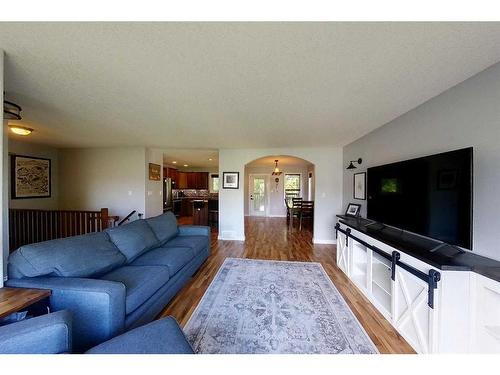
x=401 y=289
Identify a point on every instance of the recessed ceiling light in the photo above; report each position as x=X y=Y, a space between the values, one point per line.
x=210 y=159
x=186 y=165
x=174 y=162
x=20 y=130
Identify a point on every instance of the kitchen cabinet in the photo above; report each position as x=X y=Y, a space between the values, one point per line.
x=187 y=207
x=172 y=173
x=174 y=176
x=200 y=212
x=202 y=180
x=191 y=180
x=182 y=180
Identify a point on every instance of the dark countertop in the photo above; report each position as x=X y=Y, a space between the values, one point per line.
x=195 y=198
x=446 y=258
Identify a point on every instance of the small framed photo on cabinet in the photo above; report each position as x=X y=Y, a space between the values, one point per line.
x=353 y=210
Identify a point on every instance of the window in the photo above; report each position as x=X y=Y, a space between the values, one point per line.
x=214 y=183
x=292 y=187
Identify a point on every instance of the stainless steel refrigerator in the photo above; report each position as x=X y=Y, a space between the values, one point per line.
x=167 y=194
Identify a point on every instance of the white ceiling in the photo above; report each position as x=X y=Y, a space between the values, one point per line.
x=193 y=158
x=231 y=85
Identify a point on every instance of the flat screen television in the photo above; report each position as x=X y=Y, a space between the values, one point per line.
x=430 y=196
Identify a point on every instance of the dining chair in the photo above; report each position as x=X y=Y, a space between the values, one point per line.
x=294 y=209
x=296 y=201
x=306 y=212
x=288 y=209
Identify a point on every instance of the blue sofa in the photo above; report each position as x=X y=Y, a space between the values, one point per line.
x=52 y=334
x=115 y=280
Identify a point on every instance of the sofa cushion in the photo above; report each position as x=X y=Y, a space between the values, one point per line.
x=197 y=243
x=133 y=239
x=162 y=336
x=140 y=283
x=80 y=256
x=174 y=258
x=164 y=226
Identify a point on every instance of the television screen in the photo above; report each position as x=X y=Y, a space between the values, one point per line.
x=430 y=196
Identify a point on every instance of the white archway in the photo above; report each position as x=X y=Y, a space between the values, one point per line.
x=328 y=188
x=273 y=204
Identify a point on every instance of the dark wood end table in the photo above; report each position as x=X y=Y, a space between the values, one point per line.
x=15 y=299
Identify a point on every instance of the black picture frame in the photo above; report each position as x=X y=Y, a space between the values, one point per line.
x=13 y=177
x=362 y=175
x=230 y=184
x=350 y=206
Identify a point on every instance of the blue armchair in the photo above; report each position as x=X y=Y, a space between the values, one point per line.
x=52 y=334
x=47 y=334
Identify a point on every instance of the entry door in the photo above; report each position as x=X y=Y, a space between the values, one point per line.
x=257 y=205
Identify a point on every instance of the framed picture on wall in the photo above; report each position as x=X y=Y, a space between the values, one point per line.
x=230 y=180
x=359 y=182
x=30 y=177
x=154 y=172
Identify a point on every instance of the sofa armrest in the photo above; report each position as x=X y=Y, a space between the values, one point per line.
x=162 y=336
x=46 y=334
x=194 y=230
x=98 y=306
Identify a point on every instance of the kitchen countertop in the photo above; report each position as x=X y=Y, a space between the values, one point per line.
x=446 y=258
x=209 y=198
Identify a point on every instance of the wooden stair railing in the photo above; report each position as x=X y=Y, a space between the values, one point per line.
x=127 y=218
x=28 y=226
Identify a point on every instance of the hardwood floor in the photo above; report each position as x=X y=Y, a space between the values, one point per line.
x=271 y=238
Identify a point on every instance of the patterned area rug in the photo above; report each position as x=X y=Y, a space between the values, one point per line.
x=260 y=306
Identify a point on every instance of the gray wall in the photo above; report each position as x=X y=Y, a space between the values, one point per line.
x=94 y=178
x=465 y=115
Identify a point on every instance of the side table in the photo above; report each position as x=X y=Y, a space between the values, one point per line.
x=15 y=299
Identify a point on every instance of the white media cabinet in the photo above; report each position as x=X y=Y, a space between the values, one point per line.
x=465 y=312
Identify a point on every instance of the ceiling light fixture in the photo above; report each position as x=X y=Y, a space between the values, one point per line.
x=352 y=166
x=276 y=171
x=186 y=165
x=174 y=162
x=210 y=159
x=11 y=111
x=20 y=130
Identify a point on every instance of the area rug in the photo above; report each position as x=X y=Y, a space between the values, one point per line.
x=260 y=306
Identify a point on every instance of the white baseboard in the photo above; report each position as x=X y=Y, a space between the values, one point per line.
x=324 y=242
x=242 y=239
